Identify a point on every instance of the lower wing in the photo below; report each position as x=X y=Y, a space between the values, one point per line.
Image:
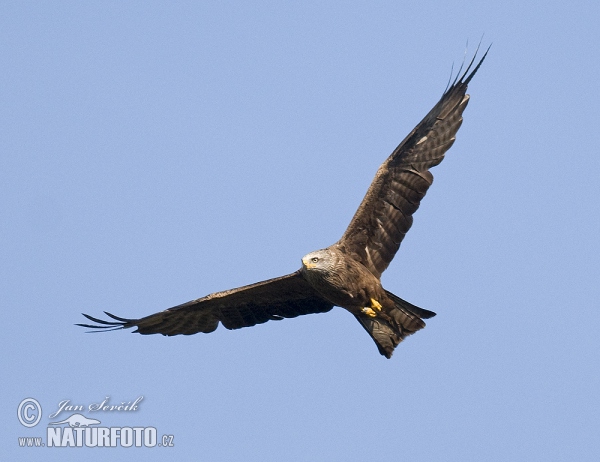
x=275 y=299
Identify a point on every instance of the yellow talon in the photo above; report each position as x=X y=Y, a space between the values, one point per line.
x=375 y=304
x=369 y=312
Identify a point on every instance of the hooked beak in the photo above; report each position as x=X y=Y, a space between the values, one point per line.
x=307 y=263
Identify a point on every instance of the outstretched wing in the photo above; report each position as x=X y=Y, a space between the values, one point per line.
x=283 y=297
x=385 y=214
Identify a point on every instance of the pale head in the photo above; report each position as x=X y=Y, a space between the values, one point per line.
x=319 y=260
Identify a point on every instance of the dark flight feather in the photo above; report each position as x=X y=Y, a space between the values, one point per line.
x=275 y=299
x=385 y=214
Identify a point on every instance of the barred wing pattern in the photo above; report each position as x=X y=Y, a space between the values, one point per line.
x=385 y=214
x=272 y=300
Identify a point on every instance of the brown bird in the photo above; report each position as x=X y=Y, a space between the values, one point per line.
x=347 y=273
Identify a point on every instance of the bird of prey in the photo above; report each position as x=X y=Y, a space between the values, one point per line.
x=347 y=273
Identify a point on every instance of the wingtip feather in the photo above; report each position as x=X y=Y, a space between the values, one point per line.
x=105 y=326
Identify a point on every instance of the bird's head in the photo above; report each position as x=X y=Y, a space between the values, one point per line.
x=319 y=260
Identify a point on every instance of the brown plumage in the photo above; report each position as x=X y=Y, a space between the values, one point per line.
x=347 y=273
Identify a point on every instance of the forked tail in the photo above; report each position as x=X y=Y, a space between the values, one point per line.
x=405 y=319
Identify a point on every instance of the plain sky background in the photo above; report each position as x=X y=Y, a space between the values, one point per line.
x=152 y=153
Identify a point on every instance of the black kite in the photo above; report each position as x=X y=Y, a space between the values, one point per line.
x=346 y=274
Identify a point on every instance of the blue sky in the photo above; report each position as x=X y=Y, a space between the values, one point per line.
x=152 y=153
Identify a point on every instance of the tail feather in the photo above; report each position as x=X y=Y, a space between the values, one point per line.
x=404 y=320
x=420 y=312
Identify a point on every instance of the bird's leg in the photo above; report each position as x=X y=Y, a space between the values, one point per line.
x=369 y=311
x=375 y=304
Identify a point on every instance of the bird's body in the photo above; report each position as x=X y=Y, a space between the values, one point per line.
x=347 y=273
x=345 y=282
x=341 y=280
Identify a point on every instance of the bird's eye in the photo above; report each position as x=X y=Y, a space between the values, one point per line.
x=314 y=259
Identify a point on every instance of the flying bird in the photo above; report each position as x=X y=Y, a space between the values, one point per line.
x=346 y=274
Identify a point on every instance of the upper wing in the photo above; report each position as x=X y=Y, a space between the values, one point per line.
x=385 y=214
x=283 y=297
